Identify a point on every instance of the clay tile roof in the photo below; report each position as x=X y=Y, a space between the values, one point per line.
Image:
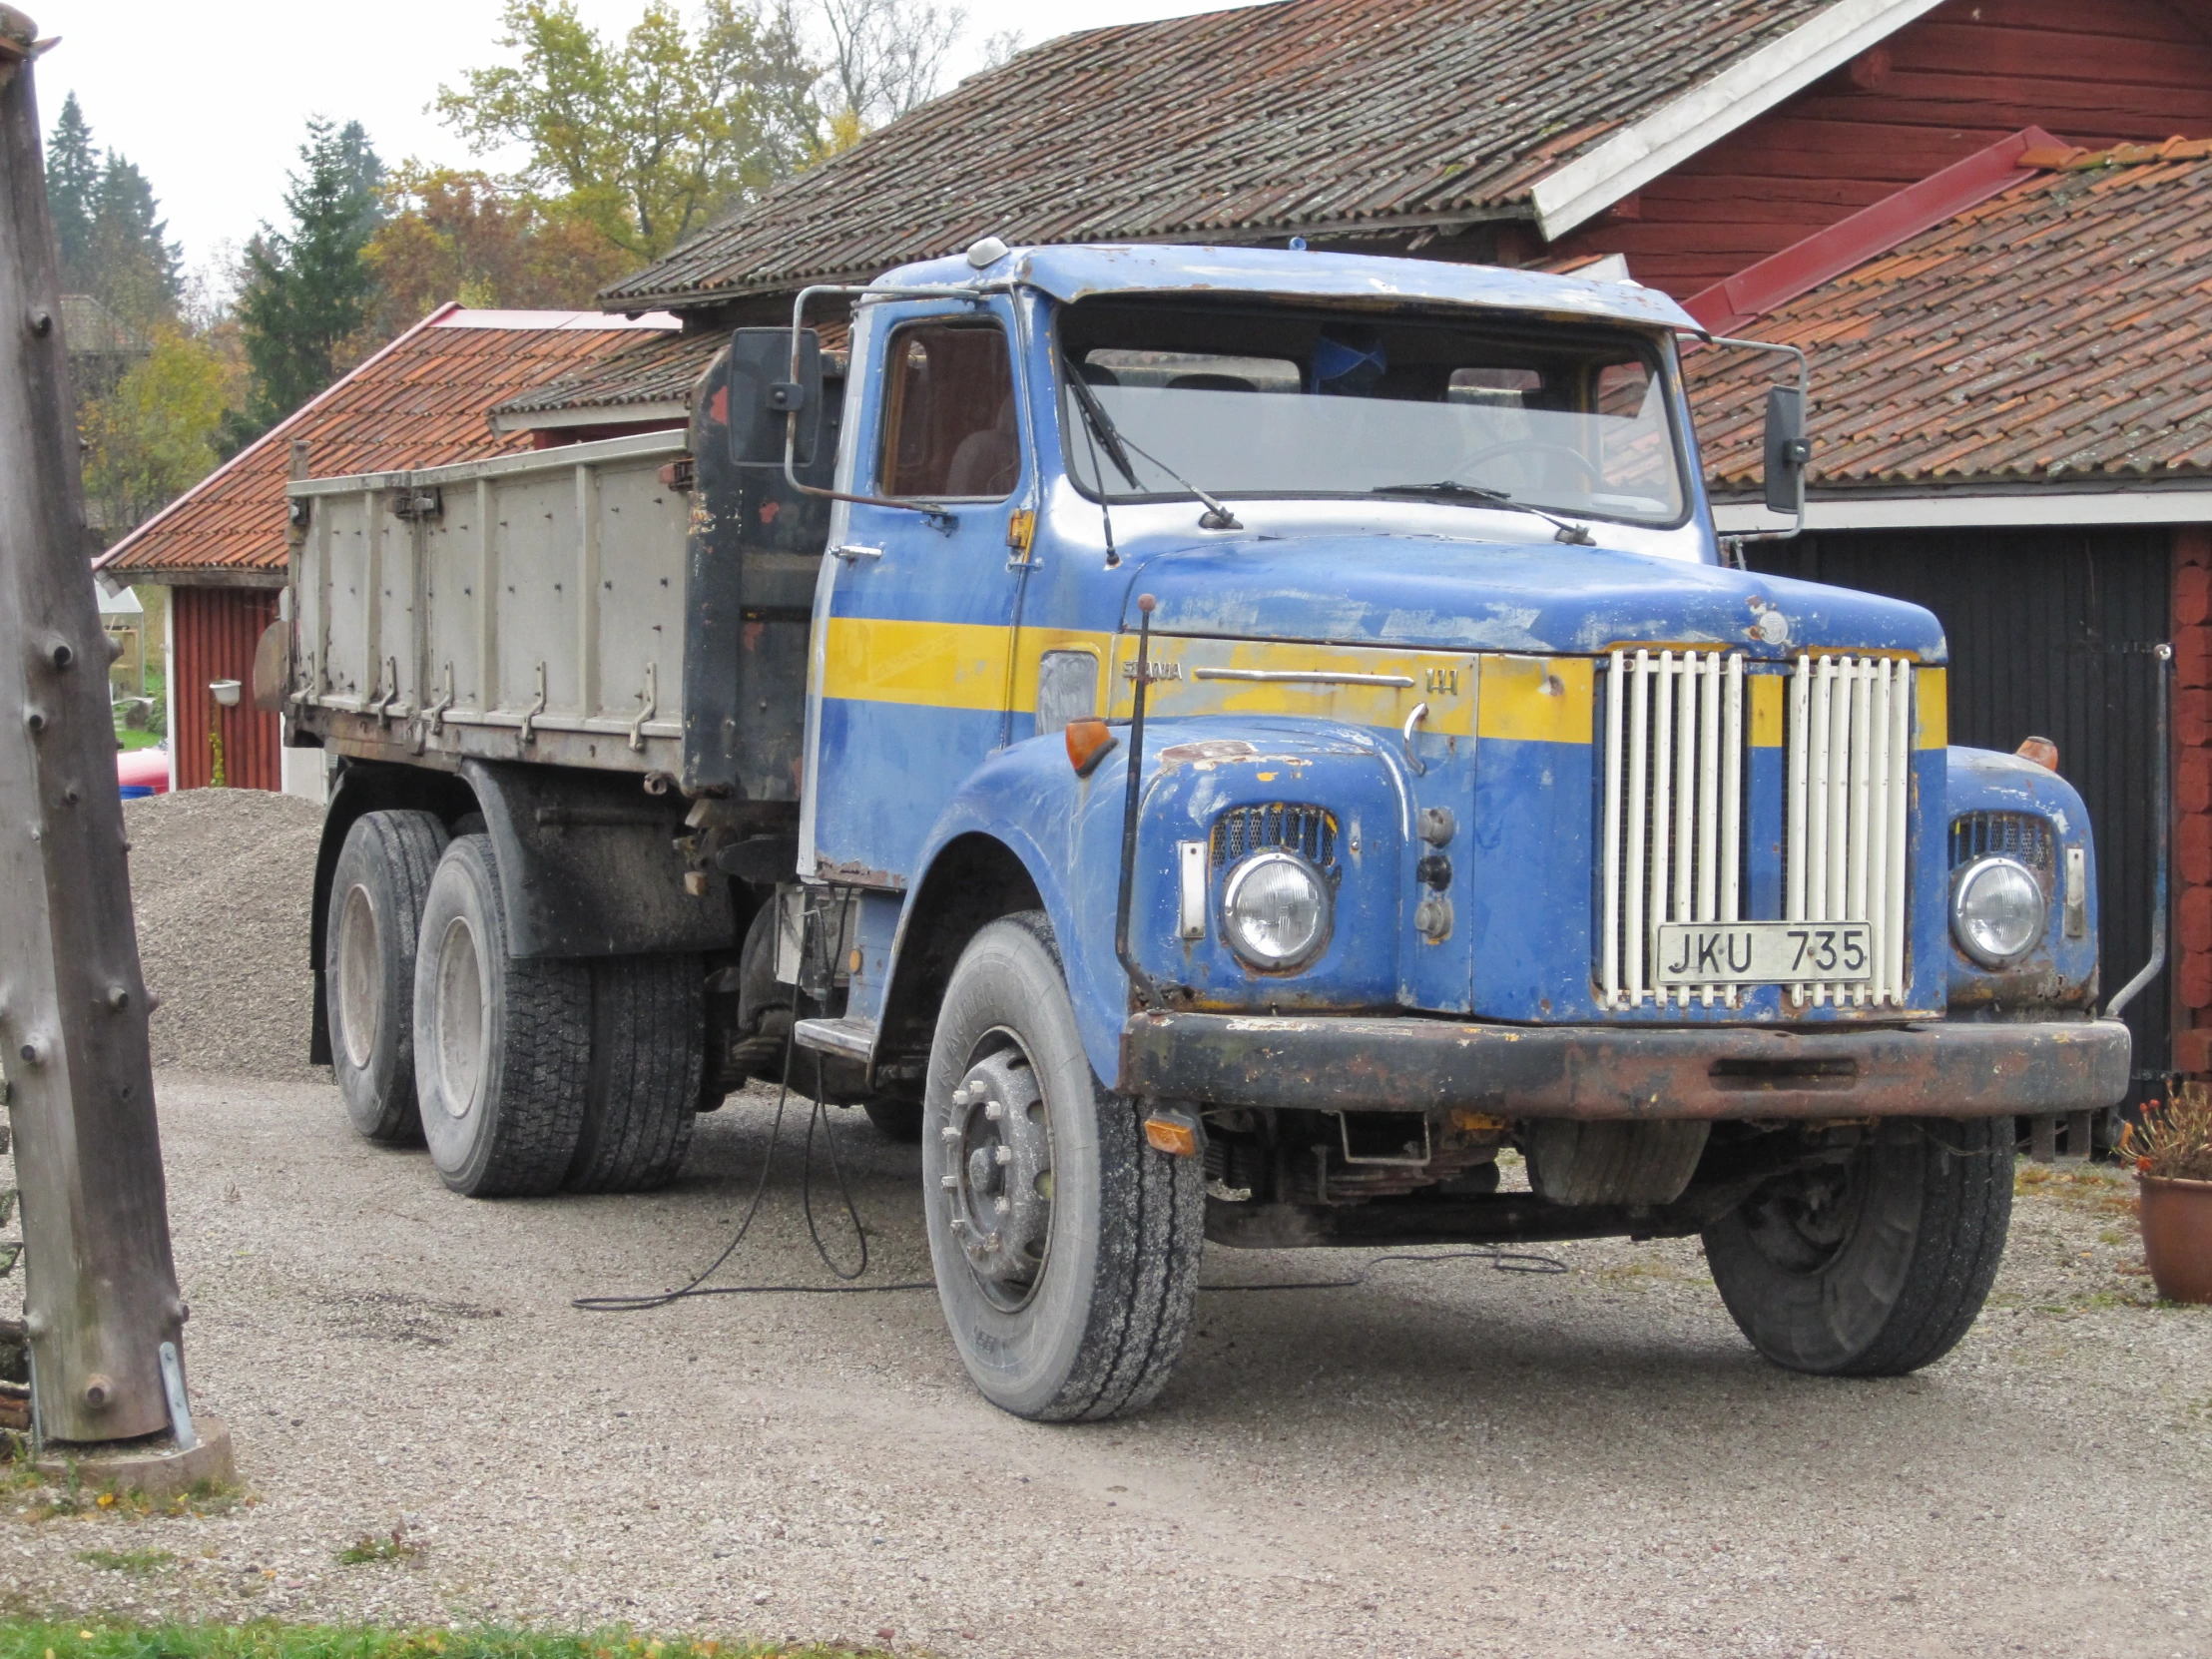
x=658 y=369
x=1324 y=116
x=2053 y=333
x=423 y=400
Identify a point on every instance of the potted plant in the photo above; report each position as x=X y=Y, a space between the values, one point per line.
x=2172 y=1152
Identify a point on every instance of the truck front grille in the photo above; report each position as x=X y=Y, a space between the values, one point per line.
x=1849 y=784
x=1673 y=830
x=2022 y=835
x=1310 y=830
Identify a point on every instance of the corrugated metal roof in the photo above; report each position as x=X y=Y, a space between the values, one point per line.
x=1349 y=116
x=2055 y=332
x=660 y=368
x=425 y=398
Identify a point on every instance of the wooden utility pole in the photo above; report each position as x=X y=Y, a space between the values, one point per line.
x=100 y=1297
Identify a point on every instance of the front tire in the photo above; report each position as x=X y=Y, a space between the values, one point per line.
x=377 y=890
x=1066 y=1250
x=502 y=1047
x=1876 y=1267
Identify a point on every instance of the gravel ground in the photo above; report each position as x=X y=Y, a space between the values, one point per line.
x=223 y=880
x=1447 y=1460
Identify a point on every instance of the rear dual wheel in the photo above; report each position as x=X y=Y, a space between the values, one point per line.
x=523 y=1076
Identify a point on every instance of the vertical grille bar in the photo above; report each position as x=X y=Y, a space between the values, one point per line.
x=1672 y=835
x=1639 y=728
x=1878 y=818
x=1900 y=782
x=1610 y=923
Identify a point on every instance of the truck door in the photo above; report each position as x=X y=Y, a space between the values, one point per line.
x=915 y=613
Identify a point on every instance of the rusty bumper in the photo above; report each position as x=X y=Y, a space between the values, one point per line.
x=1935 y=1069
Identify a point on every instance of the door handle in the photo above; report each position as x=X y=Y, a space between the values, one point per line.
x=852 y=554
x=1420 y=714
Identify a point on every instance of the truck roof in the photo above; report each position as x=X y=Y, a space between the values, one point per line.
x=1078 y=271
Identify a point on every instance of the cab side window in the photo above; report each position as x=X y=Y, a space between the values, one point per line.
x=949 y=430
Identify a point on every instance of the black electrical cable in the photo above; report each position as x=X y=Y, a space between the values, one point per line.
x=1501 y=1259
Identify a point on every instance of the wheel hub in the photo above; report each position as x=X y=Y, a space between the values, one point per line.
x=998 y=1164
x=360 y=976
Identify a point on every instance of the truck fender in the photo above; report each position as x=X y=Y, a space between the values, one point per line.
x=589 y=866
x=2062 y=969
x=1003 y=844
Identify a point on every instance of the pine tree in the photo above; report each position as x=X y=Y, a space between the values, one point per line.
x=73 y=174
x=109 y=226
x=307 y=288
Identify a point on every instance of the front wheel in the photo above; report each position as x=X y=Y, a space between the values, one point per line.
x=1876 y=1265
x=1066 y=1249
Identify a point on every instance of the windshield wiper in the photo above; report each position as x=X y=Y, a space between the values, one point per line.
x=1575 y=535
x=1117 y=447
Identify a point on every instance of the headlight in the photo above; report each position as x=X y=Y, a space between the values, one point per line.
x=1997 y=910
x=1274 y=910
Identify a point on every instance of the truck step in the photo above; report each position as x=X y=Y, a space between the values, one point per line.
x=851 y=1037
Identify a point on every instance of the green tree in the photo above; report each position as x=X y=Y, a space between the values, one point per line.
x=307 y=288
x=153 y=438
x=651 y=139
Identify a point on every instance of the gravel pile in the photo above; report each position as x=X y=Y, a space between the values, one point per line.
x=223 y=880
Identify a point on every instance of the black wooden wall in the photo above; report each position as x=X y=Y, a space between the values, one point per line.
x=2049 y=632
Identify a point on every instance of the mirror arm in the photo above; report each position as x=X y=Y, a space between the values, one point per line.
x=1805 y=402
x=939 y=516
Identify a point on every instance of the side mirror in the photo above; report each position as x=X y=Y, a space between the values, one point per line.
x=1789 y=450
x=763 y=396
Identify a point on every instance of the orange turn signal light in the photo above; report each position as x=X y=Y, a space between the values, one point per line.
x=1173 y=1134
x=2041 y=751
x=1089 y=741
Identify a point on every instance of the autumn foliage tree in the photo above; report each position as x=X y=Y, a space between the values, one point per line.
x=450 y=235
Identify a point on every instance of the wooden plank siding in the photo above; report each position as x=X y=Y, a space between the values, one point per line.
x=1963 y=77
x=213 y=631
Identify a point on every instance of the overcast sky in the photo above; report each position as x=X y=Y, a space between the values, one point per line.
x=210 y=101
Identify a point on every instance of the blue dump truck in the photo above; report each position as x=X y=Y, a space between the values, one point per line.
x=1217 y=744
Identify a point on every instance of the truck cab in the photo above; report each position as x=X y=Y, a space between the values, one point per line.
x=1283 y=760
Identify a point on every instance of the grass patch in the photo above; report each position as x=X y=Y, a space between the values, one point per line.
x=57 y=1497
x=132 y=736
x=2086 y=1189
x=37 y=1638
x=137 y=1562
x=369 y=1548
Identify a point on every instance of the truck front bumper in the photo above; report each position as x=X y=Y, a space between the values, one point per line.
x=1933 y=1069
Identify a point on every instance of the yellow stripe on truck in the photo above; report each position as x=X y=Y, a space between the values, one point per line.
x=1539 y=699
x=1931 y=689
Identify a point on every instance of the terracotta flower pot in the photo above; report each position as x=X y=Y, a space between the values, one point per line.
x=2177 y=1236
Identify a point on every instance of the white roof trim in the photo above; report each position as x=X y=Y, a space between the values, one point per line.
x=1713 y=109
x=1961 y=510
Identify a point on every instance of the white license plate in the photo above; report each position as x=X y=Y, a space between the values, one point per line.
x=1764 y=952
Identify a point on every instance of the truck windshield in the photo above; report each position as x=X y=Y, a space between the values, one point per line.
x=1259 y=401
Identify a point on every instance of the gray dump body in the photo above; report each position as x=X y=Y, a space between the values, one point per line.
x=530 y=607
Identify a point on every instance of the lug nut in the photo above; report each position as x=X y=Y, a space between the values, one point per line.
x=1000 y=1205
x=961 y=1095
x=949 y=1134
x=951 y=1183
x=1003 y=1154
x=994 y=1110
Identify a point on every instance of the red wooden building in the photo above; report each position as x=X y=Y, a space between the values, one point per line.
x=221 y=547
